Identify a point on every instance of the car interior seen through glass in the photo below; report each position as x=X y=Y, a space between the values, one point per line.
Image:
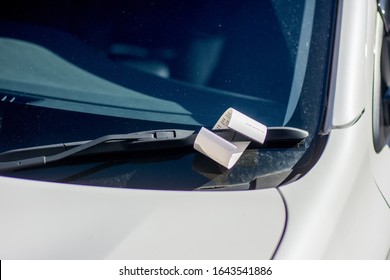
x=79 y=70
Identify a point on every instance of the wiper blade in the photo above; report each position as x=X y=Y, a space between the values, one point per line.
x=277 y=137
x=106 y=144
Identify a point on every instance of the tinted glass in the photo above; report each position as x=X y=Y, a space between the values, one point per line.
x=77 y=70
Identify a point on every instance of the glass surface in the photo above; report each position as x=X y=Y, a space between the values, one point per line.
x=77 y=70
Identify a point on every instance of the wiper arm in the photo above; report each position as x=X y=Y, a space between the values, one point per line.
x=105 y=144
x=279 y=137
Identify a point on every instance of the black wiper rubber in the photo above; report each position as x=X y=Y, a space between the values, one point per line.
x=277 y=137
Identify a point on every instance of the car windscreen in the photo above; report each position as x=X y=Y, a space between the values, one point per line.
x=77 y=70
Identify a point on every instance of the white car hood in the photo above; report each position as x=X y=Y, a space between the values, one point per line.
x=41 y=220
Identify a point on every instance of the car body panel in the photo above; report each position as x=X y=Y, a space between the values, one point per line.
x=338 y=207
x=336 y=211
x=349 y=98
x=59 y=221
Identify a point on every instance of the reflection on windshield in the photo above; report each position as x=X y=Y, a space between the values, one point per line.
x=77 y=70
x=130 y=57
x=80 y=90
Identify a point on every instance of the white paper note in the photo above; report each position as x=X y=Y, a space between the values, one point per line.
x=222 y=151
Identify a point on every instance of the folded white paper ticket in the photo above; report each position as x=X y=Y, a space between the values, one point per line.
x=222 y=151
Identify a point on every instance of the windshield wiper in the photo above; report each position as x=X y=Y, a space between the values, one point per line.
x=277 y=137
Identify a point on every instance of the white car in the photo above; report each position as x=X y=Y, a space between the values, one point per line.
x=142 y=78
